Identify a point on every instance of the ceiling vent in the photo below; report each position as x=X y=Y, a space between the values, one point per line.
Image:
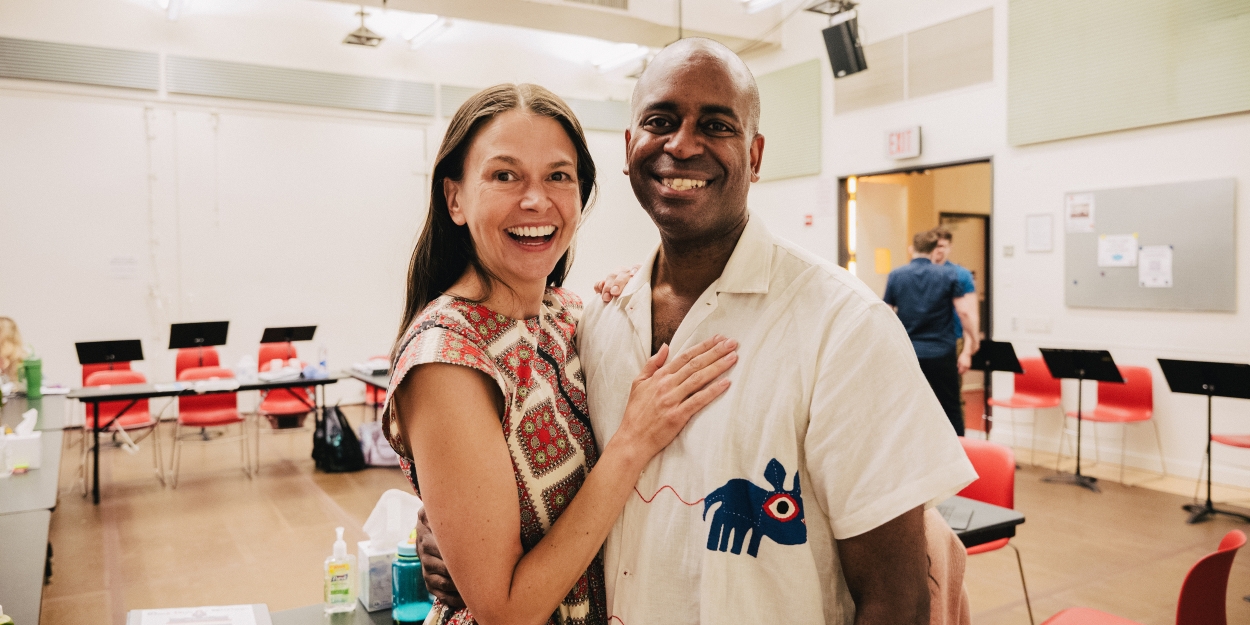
x=607 y=4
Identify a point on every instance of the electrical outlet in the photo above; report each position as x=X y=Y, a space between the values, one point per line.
x=1009 y=251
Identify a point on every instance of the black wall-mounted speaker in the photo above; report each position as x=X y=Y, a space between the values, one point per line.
x=845 y=53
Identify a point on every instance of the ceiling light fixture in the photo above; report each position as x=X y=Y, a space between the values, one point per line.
x=619 y=57
x=429 y=33
x=361 y=36
x=755 y=6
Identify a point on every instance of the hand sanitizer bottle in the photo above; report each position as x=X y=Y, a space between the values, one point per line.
x=340 y=578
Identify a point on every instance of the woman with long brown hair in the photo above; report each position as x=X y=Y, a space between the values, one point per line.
x=487 y=408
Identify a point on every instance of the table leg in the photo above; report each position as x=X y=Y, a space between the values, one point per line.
x=95 y=436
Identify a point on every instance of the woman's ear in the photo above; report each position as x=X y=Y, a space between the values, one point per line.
x=451 y=190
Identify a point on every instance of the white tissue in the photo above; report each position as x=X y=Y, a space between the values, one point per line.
x=392 y=519
x=27 y=426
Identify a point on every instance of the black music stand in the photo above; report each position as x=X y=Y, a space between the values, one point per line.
x=287 y=335
x=1080 y=365
x=994 y=356
x=1213 y=379
x=198 y=335
x=101 y=352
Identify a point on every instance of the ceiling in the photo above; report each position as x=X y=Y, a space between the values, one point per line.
x=651 y=23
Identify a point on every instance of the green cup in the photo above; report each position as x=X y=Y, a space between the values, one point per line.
x=32 y=371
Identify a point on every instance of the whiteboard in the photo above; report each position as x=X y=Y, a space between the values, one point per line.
x=1195 y=218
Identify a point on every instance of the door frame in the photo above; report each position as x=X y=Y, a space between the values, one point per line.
x=844 y=253
x=988 y=320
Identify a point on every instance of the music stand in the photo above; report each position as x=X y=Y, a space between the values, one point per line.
x=100 y=352
x=994 y=356
x=198 y=335
x=1080 y=365
x=1213 y=379
x=287 y=335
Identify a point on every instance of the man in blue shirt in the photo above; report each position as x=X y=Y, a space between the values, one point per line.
x=941 y=256
x=927 y=298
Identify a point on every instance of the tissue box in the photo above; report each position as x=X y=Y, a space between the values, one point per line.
x=375 y=575
x=23 y=450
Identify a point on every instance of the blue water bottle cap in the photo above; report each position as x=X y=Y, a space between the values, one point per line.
x=408 y=546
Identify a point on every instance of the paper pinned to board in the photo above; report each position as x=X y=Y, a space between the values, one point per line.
x=1154 y=267
x=1078 y=210
x=1117 y=250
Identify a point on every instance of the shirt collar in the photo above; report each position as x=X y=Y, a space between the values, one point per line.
x=922 y=260
x=747 y=271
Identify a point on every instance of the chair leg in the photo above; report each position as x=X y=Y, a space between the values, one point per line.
x=243 y=446
x=83 y=467
x=157 y=459
x=1020 y=563
x=1097 y=453
x=1033 y=438
x=1063 y=438
x=176 y=460
x=1159 y=443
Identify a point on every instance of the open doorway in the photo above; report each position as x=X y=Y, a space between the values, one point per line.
x=881 y=212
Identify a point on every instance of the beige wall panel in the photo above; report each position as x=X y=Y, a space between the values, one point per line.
x=790 y=121
x=1078 y=68
x=951 y=55
x=962 y=189
x=881 y=83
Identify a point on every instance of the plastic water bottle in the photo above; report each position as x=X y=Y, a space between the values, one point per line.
x=411 y=599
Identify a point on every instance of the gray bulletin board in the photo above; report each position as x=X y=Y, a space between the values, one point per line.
x=1195 y=218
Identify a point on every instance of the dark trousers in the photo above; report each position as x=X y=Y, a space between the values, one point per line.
x=943 y=375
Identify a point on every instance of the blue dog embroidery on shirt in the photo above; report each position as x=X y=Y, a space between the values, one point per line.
x=745 y=507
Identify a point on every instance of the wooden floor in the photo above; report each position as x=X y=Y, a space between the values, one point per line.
x=221 y=538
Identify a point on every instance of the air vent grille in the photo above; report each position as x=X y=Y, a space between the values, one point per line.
x=294 y=86
x=60 y=62
x=610 y=115
x=611 y=4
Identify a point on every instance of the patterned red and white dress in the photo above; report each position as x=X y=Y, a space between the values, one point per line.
x=545 y=420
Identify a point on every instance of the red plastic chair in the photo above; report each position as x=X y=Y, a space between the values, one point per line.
x=208 y=410
x=196 y=357
x=375 y=396
x=1203 y=593
x=87 y=370
x=1034 y=389
x=136 y=416
x=996 y=484
x=1131 y=402
x=285 y=408
x=284 y=402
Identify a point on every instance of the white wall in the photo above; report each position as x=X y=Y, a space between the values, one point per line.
x=1028 y=296
x=125 y=211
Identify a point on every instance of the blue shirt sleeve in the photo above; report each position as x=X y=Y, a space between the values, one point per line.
x=966 y=285
x=889 y=291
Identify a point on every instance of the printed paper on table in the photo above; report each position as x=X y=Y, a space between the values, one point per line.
x=204 y=615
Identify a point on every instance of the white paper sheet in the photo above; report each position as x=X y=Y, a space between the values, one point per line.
x=1078 y=210
x=1117 y=250
x=1038 y=233
x=1154 y=266
x=205 y=615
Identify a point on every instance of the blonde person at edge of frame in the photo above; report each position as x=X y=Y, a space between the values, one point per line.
x=487 y=408
x=828 y=448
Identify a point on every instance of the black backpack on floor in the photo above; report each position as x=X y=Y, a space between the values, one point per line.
x=335 y=446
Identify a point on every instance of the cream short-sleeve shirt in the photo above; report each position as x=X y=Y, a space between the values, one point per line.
x=828 y=431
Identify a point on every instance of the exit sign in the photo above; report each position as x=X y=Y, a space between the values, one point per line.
x=903 y=143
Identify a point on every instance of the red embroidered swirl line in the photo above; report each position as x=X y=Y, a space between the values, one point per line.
x=657 y=493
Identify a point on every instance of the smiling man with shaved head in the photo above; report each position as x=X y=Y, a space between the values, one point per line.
x=798 y=496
